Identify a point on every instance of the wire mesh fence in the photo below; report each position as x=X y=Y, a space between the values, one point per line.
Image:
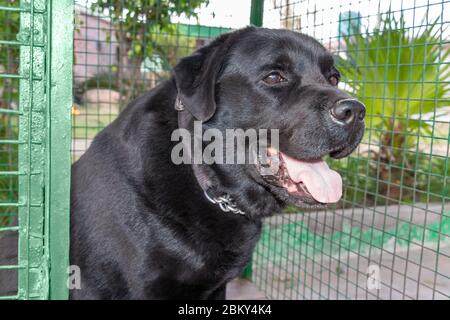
x=23 y=56
x=389 y=237
x=118 y=58
x=9 y=92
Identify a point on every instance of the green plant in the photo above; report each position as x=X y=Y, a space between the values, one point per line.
x=144 y=28
x=399 y=73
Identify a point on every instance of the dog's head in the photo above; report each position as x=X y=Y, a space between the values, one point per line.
x=258 y=78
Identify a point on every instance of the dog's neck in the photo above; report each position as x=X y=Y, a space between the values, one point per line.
x=224 y=201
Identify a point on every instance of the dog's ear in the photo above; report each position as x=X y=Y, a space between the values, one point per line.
x=196 y=77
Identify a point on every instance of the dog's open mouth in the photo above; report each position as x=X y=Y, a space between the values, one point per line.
x=312 y=182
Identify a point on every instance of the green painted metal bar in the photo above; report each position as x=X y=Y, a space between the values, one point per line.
x=9 y=111
x=22 y=162
x=20 y=204
x=17 y=9
x=10 y=173
x=44 y=148
x=256 y=19
x=9 y=297
x=4 y=229
x=248 y=271
x=32 y=278
x=11 y=9
x=11 y=142
x=59 y=68
x=18 y=76
x=10 y=204
x=257 y=13
x=11 y=76
x=18 y=43
x=10 y=267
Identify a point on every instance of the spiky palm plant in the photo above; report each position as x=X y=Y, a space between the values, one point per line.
x=399 y=73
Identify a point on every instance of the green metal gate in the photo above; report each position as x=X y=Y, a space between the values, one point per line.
x=36 y=58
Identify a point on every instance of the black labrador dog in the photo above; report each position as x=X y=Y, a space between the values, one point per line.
x=142 y=227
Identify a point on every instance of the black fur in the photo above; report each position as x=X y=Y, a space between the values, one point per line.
x=141 y=227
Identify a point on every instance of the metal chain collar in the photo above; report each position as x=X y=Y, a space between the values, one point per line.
x=225 y=203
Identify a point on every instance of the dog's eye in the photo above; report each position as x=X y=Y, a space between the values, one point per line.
x=274 y=78
x=334 y=80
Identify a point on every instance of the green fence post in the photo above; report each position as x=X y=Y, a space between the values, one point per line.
x=33 y=267
x=60 y=62
x=248 y=271
x=256 y=13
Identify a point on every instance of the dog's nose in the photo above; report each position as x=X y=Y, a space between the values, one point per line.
x=348 y=110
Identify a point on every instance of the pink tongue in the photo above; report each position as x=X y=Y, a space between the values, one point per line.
x=324 y=184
